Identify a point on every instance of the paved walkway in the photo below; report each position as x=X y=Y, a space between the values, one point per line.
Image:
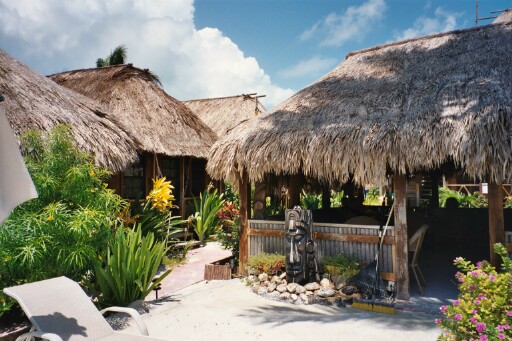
x=193 y=270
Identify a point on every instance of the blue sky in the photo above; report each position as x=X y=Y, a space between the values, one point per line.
x=211 y=48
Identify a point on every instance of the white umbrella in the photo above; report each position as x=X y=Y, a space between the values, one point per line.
x=16 y=186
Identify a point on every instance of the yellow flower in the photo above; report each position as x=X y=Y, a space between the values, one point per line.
x=92 y=173
x=50 y=217
x=161 y=195
x=126 y=216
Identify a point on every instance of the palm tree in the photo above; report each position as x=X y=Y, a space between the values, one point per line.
x=116 y=57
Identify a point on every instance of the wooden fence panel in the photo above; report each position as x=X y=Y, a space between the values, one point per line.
x=331 y=239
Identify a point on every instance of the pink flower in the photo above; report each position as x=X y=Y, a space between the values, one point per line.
x=483 y=338
x=474 y=273
x=480 y=327
x=500 y=328
x=437 y=321
x=443 y=308
x=472 y=287
x=474 y=320
x=492 y=278
x=509 y=313
x=501 y=336
x=458 y=317
x=477 y=302
x=456 y=302
x=458 y=259
x=479 y=265
x=481 y=297
x=474 y=311
x=506 y=326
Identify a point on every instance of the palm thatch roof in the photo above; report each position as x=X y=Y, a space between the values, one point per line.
x=223 y=113
x=404 y=106
x=504 y=17
x=159 y=122
x=33 y=102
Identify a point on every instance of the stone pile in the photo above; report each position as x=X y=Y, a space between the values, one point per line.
x=326 y=292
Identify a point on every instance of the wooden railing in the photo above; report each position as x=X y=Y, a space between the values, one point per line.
x=331 y=239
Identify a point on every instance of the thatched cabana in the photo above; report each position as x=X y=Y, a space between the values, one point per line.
x=396 y=109
x=33 y=102
x=223 y=113
x=163 y=125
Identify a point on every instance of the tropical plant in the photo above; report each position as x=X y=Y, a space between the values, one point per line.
x=116 y=57
x=337 y=198
x=310 y=201
x=126 y=272
x=155 y=214
x=269 y=263
x=205 y=220
x=483 y=309
x=62 y=231
x=342 y=267
x=228 y=234
x=373 y=198
x=475 y=200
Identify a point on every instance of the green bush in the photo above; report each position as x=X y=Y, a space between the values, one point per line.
x=337 y=198
x=68 y=225
x=341 y=267
x=373 y=198
x=269 y=263
x=310 y=201
x=483 y=309
x=475 y=200
x=125 y=273
x=228 y=234
x=205 y=221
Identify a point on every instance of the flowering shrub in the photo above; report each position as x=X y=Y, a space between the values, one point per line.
x=228 y=234
x=483 y=309
x=269 y=263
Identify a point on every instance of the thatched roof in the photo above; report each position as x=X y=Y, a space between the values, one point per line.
x=33 y=102
x=159 y=122
x=224 y=113
x=504 y=17
x=404 y=106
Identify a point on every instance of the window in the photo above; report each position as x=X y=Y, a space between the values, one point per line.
x=134 y=181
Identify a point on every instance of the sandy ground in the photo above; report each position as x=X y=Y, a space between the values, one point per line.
x=228 y=310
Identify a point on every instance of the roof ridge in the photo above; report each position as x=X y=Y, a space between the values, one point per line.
x=435 y=35
x=96 y=68
x=210 y=98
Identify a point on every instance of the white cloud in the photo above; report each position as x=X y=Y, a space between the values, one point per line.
x=441 y=22
x=354 y=24
x=53 y=36
x=307 y=67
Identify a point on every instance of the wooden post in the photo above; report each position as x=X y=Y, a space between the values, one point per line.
x=243 y=193
x=434 y=199
x=326 y=197
x=260 y=198
x=150 y=166
x=182 y=190
x=402 y=240
x=294 y=189
x=496 y=221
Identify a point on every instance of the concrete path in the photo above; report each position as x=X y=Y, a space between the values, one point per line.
x=228 y=310
x=193 y=270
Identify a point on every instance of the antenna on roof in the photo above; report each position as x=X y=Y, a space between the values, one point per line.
x=254 y=96
x=477 y=19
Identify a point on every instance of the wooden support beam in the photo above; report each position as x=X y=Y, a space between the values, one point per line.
x=182 y=190
x=353 y=238
x=434 y=199
x=294 y=189
x=260 y=198
x=402 y=240
x=326 y=197
x=244 y=191
x=150 y=170
x=496 y=221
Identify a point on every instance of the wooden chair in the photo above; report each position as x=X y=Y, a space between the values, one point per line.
x=415 y=247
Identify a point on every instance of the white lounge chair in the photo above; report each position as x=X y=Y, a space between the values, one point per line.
x=60 y=311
